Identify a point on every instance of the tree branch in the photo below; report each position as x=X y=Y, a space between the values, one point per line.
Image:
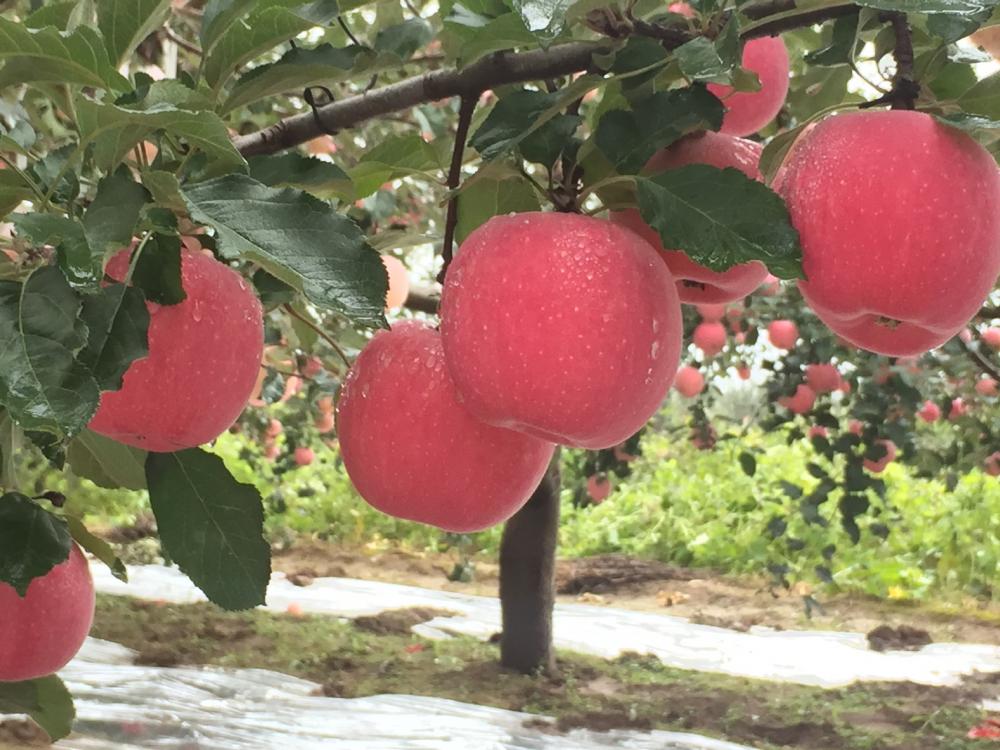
x=984 y=364
x=423 y=300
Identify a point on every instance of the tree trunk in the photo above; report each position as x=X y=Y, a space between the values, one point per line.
x=527 y=579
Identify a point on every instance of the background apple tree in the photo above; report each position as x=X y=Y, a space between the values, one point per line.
x=297 y=140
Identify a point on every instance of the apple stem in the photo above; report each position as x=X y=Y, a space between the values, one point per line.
x=465 y=112
x=905 y=89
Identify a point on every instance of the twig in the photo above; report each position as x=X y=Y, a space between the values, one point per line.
x=465 y=111
x=906 y=88
x=177 y=39
x=319 y=332
x=343 y=25
x=413 y=9
x=984 y=364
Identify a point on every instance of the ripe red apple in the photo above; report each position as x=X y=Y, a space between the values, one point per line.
x=929 y=412
x=877 y=467
x=562 y=326
x=325 y=422
x=413 y=451
x=710 y=338
x=598 y=487
x=892 y=292
x=696 y=283
x=689 y=382
x=622 y=455
x=274 y=428
x=965 y=336
x=801 y=402
x=304 y=456
x=41 y=632
x=855 y=426
x=991 y=337
x=204 y=359
x=399 y=282
x=986 y=386
x=818 y=431
x=711 y=313
x=744 y=372
x=783 y=334
x=823 y=378
x=992 y=464
x=325 y=404
x=749 y=111
x=958 y=409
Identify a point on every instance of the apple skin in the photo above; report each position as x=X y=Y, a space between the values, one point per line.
x=40 y=633
x=991 y=337
x=304 y=456
x=562 y=326
x=889 y=291
x=822 y=378
x=697 y=284
x=413 y=451
x=877 y=467
x=855 y=427
x=958 y=409
x=598 y=488
x=986 y=386
x=929 y=412
x=783 y=334
x=749 y=111
x=204 y=360
x=711 y=313
x=992 y=464
x=399 y=282
x=801 y=402
x=710 y=338
x=689 y=382
x=818 y=431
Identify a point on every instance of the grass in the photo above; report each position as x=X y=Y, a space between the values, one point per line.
x=379 y=655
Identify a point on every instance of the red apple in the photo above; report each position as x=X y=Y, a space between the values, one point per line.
x=986 y=386
x=204 y=359
x=304 y=456
x=711 y=313
x=598 y=487
x=710 y=338
x=958 y=409
x=929 y=412
x=855 y=426
x=325 y=404
x=530 y=347
x=890 y=291
x=877 y=467
x=622 y=455
x=696 y=283
x=325 y=422
x=965 y=336
x=783 y=334
x=274 y=428
x=744 y=372
x=413 y=450
x=801 y=402
x=992 y=464
x=749 y=111
x=689 y=382
x=399 y=282
x=822 y=378
x=41 y=632
x=991 y=337
x=818 y=431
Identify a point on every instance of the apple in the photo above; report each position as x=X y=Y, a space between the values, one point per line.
x=304 y=456
x=695 y=282
x=42 y=631
x=818 y=431
x=325 y=422
x=877 y=467
x=823 y=378
x=929 y=412
x=689 y=382
x=992 y=464
x=965 y=336
x=801 y=402
x=323 y=145
x=204 y=360
x=710 y=338
x=562 y=326
x=623 y=455
x=312 y=367
x=749 y=111
x=991 y=337
x=274 y=428
x=744 y=372
x=325 y=404
x=958 y=409
x=986 y=386
x=711 y=313
x=598 y=487
x=414 y=451
x=855 y=426
x=399 y=282
x=783 y=334
x=889 y=291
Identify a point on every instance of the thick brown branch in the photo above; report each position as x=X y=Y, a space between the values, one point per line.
x=494 y=70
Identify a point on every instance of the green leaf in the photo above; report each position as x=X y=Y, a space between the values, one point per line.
x=158 y=271
x=118 y=321
x=218 y=16
x=13 y=190
x=487 y=197
x=777 y=149
x=983 y=98
x=748 y=463
x=840 y=50
x=268 y=25
x=32 y=541
x=504 y=32
x=42 y=384
x=509 y=121
x=80 y=264
x=51 y=14
x=46 y=700
x=292 y=169
x=700 y=61
x=297 y=69
x=107 y=463
x=115 y=130
x=97 y=547
x=51 y=56
x=404 y=39
x=165 y=189
x=111 y=218
x=959 y=7
x=544 y=18
x=551 y=140
x=630 y=138
x=296 y=238
x=395 y=157
x=950 y=27
x=721 y=218
x=211 y=526
x=125 y=23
